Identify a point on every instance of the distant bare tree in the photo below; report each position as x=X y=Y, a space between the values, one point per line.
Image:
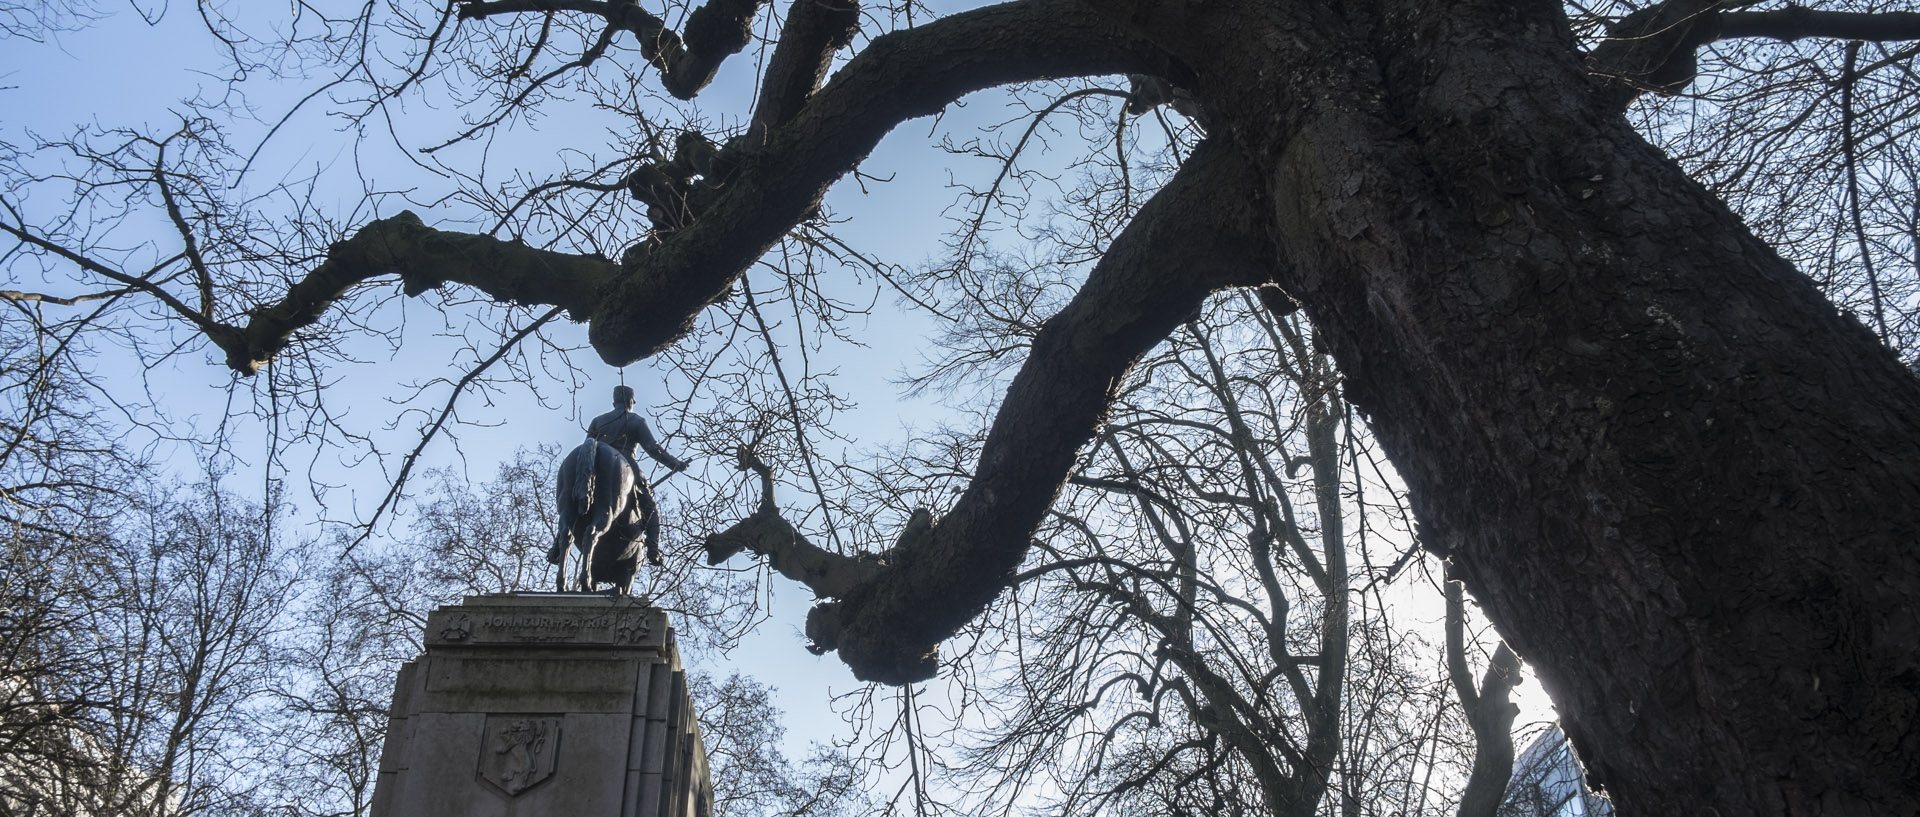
x=1488 y=708
x=168 y=621
x=752 y=776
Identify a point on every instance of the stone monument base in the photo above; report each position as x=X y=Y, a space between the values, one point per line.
x=533 y=704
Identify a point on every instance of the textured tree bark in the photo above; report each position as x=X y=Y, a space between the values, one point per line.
x=814 y=30
x=1685 y=488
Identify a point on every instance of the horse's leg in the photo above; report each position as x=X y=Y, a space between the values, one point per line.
x=566 y=496
x=562 y=542
x=598 y=525
x=562 y=539
x=588 y=540
x=628 y=532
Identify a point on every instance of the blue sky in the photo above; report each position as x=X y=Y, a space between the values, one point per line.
x=124 y=70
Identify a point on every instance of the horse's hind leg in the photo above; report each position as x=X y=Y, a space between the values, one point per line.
x=563 y=541
x=568 y=502
x=598 y=525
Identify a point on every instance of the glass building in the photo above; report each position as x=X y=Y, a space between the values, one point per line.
x=1549 y=782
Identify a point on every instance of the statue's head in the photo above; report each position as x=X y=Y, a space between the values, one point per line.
x=623 y=396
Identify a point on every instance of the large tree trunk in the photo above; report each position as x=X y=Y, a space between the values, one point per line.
x=1685 y=488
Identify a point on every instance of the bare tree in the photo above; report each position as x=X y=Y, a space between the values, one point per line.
x=1656 y=453
x=62 y=482
x=53 y=691
x=1488 y=711
x=1185 y=573
x=166 y=623
x=752 y=776
x=1188 y=636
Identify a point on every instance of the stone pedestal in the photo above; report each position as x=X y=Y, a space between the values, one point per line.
x=534 y=704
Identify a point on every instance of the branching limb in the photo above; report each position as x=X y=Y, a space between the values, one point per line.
x=1651 y=50
x=637 y=311
x=715 y=31
x=1200 y=233
x=135 y=283
x=788 y=551
x=815 y=30
x=424 y=258
x=899 y=76
x=1654 y=49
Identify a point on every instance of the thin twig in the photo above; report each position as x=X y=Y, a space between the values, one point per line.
x=793 y=407
x=439 y=422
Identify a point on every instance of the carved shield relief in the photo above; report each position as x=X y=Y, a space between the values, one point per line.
x=518 y=751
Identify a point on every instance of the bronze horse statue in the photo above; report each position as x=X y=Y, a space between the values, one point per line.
x=605 y=515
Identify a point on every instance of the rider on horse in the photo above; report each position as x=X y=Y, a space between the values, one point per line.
x=624 y=430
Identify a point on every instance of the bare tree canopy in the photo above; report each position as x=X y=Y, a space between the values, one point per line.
x=1684 y=485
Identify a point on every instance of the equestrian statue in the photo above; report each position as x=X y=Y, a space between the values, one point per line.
x=606 y=506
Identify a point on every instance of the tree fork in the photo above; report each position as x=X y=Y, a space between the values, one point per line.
x=899 y=76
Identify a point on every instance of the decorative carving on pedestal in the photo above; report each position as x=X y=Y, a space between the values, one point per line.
x=517 y=752
x=532 y=704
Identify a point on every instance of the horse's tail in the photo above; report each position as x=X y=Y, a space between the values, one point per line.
x=574 y=493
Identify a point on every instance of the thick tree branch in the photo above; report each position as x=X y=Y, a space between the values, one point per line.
x=1199 y=234
x=1796 y=23
x=424 y=258
x=715 y=31
x=1654 y=49
x=899 y=76
x=768 y=534
x=814 y=32
x=1457 y=670
x=1650 y=49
